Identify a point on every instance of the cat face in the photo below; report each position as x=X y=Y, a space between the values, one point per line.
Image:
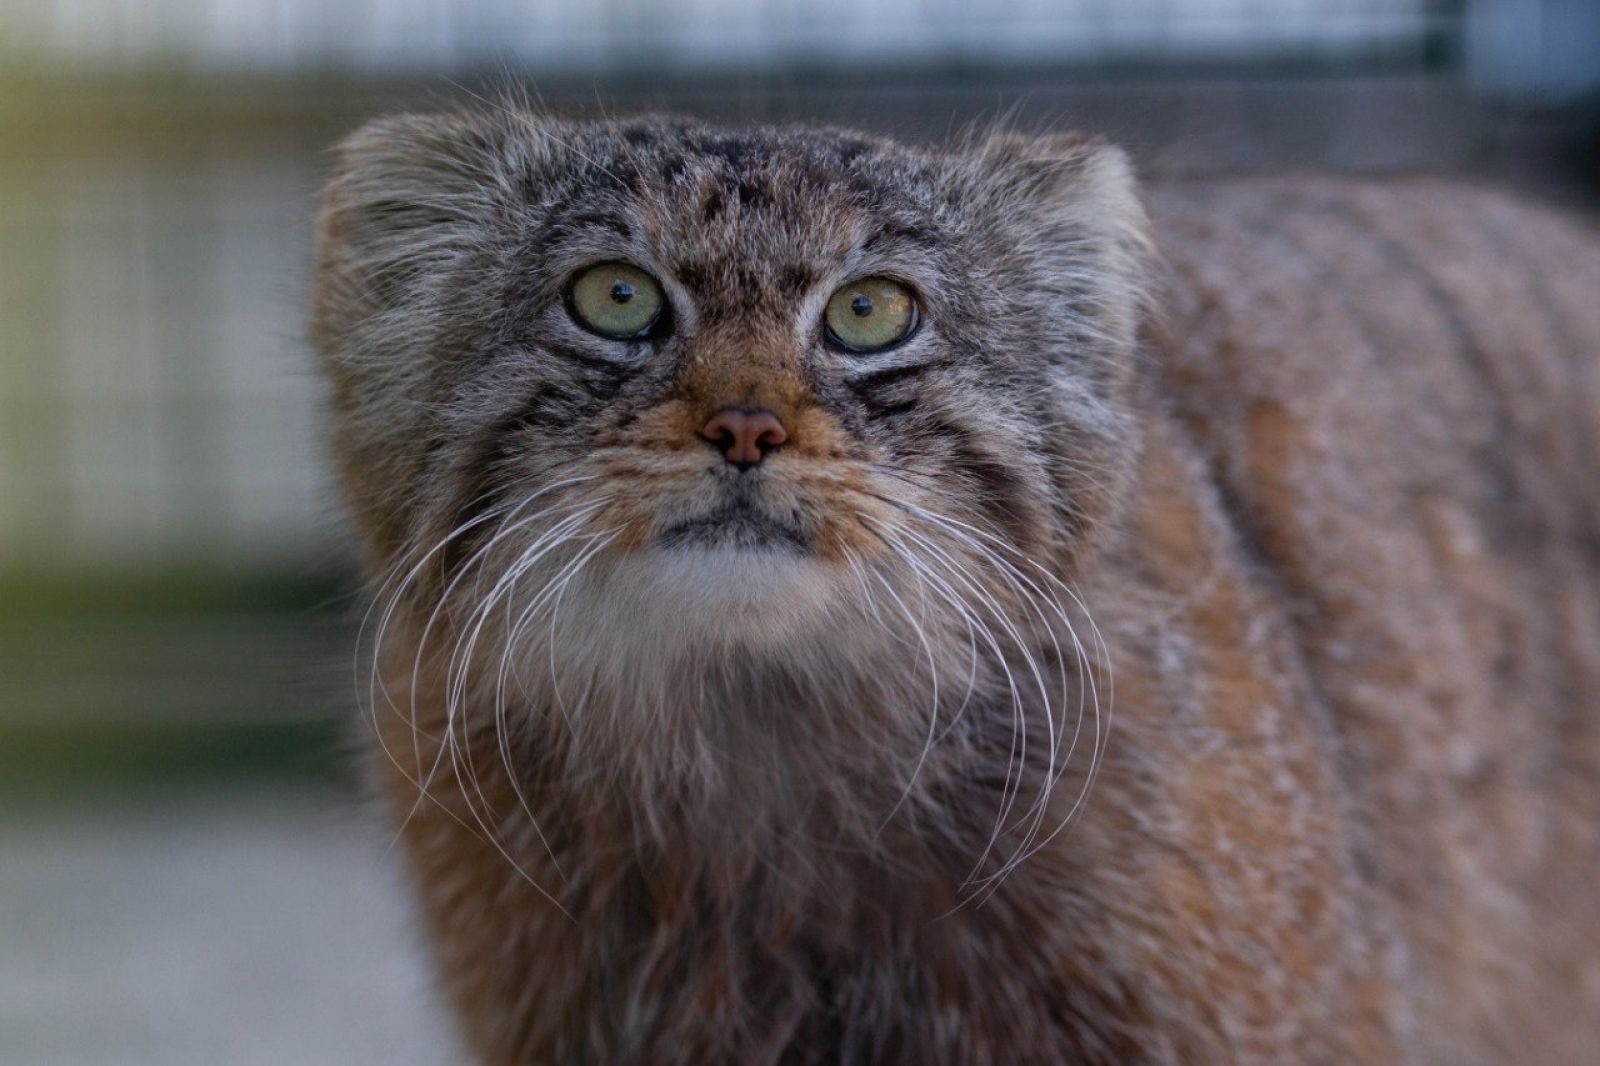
x=721 y=385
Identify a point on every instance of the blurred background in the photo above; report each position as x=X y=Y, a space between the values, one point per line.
x=187 y=870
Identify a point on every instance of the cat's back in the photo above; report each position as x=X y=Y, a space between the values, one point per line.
x=1408 y=314
x=1395 y=390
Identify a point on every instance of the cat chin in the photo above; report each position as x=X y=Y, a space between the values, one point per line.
x=725 y=596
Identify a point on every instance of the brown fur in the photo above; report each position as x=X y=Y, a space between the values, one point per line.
x=1344 y=548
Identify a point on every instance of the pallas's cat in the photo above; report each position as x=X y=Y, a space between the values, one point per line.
x=845 y=602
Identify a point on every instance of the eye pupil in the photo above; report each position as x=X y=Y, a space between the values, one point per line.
x=617 y=301
x=870 y=315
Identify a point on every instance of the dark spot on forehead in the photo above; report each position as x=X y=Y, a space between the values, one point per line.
x=901 y=231
x=695 y=273
x=739 y=153
x=795 y=278
x=753 y=193
x=712 y=205
x=673 y=167
x=606 y=220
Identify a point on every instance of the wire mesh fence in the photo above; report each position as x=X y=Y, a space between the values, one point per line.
x=155 y=403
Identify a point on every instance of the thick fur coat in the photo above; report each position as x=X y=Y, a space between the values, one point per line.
x=1185 y=647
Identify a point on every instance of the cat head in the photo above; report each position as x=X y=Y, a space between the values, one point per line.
x=686 y=388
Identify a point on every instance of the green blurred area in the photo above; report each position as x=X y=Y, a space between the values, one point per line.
x=83 y=762
x=141 y=682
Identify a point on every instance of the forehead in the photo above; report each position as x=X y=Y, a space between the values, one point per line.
x=765 y=209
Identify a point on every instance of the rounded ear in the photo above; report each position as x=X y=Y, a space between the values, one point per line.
x=409 y=202
x=1075 y=206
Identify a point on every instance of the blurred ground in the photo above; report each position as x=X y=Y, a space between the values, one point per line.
x=241 y=925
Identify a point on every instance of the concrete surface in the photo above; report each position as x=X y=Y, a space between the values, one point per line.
x=263 y=926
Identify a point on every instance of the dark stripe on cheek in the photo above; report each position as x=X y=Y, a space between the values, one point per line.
x=1001 y=491
x=604 y=374
x=485 y=473
x=889 y=375
x=885 y=409
x=869 y=390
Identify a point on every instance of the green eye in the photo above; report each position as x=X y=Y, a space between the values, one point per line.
x=616 y=300
x=870 y=315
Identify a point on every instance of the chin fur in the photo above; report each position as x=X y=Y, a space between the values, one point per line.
x=680 y=600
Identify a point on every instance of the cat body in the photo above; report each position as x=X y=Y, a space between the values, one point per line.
x=1181 y=646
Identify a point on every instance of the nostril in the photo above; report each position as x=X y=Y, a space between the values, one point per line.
x=744 y=437
x=772 y=434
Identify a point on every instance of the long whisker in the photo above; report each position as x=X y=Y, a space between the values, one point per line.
x=457 y=671
x=933 y=709
x=1012 y=784
x=1103 y=651
x=1035 y=588
x=512 y=523
x=1018 y=766
x=376 y=685
x=500 y=705
x=989 y=601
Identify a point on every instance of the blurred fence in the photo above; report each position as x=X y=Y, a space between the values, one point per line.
x=158 y=165
x=302 y=36
x=155 y=401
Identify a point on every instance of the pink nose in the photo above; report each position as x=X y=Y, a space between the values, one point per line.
x=744 y=437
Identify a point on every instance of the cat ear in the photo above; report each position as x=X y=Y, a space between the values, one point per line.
x=1071 y=203
x=408 y=205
